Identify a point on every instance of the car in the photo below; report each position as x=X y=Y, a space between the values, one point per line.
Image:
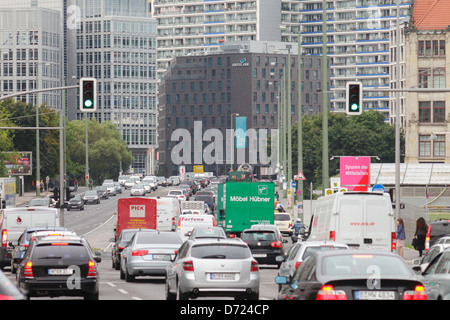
x=175 y=180
x=428 y=256
x=121 y=243
x=301 y=250
x=436 y=229
x=169 y=182
x=123 y=178
x=40 y=202
x=146 y=186
x=20 y=247
x=8 y=291
x=76 y=202
x=162 y=181
x=137 y=190
x=130 y=182
x=50 y=264
x=270 y=226
x=207 y=232
x=110 y=188
x=352 y=275
x=213 y=267
x=151 y=182
x=148 y=254
x=436 y=277
x=206 y=199
x=177 y=193
x=102 y=192
x=284 y=222
x=91 y=196
x=264 y=244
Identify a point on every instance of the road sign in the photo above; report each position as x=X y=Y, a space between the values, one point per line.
x=293 y=184
x=300 y=176
x=378 y=188
x=299 y=192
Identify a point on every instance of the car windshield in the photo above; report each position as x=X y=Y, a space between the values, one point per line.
x=204 y=198
x=220 y=251
x=138 y=186
x=208 y=232
x=90 y=193
x=363 y=265
x=70 y=252
x=258 y=235
x=76 y=197
x=38 y=202
x=108 y=185
x=282 y=217
x=175 y=192
x=126 y=236
x=169 y=238
x=310 y=250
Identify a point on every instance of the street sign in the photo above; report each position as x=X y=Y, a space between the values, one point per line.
x=300 y=176
x=299 y=192
x=293 y=184
x=378 y=188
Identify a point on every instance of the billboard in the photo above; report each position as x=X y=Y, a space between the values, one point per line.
x=18 y=163
x=355 y=173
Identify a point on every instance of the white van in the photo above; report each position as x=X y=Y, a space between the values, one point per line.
x=168 y=210
x=362 y=220
x=187 y=222
x=14 y=221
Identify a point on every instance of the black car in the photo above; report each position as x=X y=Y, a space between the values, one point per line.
x=264 y=244
x=121 y=243
x=56 y=266
x=102 y=192
x=436 y=230
x=352 y=275
x=209 y=200
x=75 y=203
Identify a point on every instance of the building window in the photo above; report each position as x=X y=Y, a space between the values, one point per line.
x=424 y=78
x=431 y=48
x=439 y=146
x=438 y=111
x=424 y=146
x=424 y=111
x=435 y=147
x=439 y=78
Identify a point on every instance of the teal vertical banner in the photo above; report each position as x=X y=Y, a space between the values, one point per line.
x=241 y=130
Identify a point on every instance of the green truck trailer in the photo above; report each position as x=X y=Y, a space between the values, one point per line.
x=242 y=204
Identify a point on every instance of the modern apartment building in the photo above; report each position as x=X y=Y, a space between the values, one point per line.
x=31 y=53
x=210 y=91
x=427 y=41
x=194 y=26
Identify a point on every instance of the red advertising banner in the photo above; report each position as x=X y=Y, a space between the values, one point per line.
x=355 y=173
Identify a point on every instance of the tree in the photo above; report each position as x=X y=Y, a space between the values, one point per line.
x=6 y=139
x=105 y=149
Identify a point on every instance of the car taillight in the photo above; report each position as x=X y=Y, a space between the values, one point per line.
x=418 y=294
x=327 y=292
x=254 y=267
x=276 y=244
x=188 y=265
x=393 y=243
x=139 y=253
x=290 y=224
x=297 y=264
x=92 y=271
x=28 y=270
x=4 y=238
x=427 y=239
x=333 y=235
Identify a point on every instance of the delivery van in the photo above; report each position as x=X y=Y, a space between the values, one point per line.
x=135 y=213
x=187 y=222
x=14 y=221
x=168 y=210
x=362 y=220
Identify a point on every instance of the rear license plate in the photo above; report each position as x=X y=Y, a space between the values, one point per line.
x=259 y=255
x=158 y=256
x=60 y=272
x=375 y=295
x=222 y=276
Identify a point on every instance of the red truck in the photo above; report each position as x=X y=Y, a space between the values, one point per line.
x=135 y=213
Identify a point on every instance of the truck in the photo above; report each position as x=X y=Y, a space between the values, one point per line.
x=167 y=213
x=14 y=221
x=243 y=204
x=135 y=213
x=361 y=220
x=8 y=192
x=192 y=207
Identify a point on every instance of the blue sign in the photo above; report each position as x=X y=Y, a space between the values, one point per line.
x=293 y=184
x=241 y=132
x=378 y=188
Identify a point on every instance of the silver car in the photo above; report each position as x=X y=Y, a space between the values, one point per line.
x=148 y=254
x=91 y=196
x=137 y=190
x=213 y=267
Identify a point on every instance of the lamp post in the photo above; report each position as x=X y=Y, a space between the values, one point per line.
x=299 y=117
x=325 y=158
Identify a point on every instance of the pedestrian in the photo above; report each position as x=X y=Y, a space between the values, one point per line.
x=90 y=183
x=420 y=234
x=277 y=196
x=400 y=236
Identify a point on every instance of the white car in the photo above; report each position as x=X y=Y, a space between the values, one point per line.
x=178 y=193
x=137 y=190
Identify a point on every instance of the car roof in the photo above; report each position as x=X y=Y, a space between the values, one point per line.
x=322 y=243
x=355 y=252
x=201 y=241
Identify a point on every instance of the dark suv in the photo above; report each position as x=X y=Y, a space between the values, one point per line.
x=264 y=244
x=56 y=266
x=436 y=230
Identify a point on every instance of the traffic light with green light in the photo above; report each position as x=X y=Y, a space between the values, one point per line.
x=88 y=94
x=353 y=98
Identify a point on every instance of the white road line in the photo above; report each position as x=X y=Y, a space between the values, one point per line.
x=136 y=298
x=111 y=284
x=122 y=291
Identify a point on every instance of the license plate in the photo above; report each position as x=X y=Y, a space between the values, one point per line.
x=158 y=256
x=222 y=276
x=259 y=255
x=375 y=295
x=60 y=272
